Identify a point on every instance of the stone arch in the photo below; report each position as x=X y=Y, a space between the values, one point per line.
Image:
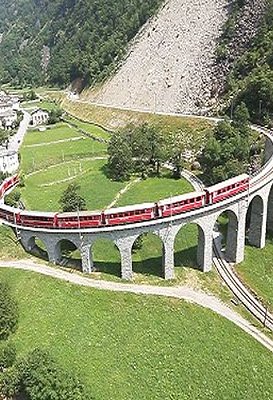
x=256 y=222
x=67 y=253
x=147 y=254
x=226 y=231
x=36 y=246
x=189 y=246
x=106 y=257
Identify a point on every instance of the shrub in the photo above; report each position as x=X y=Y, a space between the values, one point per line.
x=8 y=312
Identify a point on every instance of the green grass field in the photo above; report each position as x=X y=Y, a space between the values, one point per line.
x=56 y=132
x=43 y=190
x=257 y=271
x=37 y=158
x=49 y=167
x=153 y=189
x=137 y=347
x=10 y=247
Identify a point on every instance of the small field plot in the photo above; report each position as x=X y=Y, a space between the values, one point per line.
x=43 y=190
x=138 y=347
x=154 y=189
x=257 y=271
x=37 y=158
x=54 y=133
x=89 y=128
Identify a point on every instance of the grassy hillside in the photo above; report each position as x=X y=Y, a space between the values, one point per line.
x=136 y=347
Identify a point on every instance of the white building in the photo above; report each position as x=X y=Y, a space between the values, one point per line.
x=9 y=161
x=8 y=119
x=39 y=117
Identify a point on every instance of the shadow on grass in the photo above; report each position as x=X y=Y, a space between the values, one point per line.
x=186 y=258
x=39 y=253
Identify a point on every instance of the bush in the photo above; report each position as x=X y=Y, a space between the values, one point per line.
x=39 y=377
x=13 y=198
x=7 y=355
x=8 y=312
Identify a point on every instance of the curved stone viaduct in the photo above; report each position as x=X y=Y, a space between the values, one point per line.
x=253 y=208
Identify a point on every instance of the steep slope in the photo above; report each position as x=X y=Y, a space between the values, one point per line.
x=56 y=42
x=169 y=64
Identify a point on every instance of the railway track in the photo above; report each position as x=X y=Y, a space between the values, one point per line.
x=250 y=302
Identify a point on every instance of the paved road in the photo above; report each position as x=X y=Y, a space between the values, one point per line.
x=16 y=140
x=182 y=292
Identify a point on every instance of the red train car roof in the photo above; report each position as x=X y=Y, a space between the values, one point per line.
x=182 y=197
x=133 y=207
x=228 y=182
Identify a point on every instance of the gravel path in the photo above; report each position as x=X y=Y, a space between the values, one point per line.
x=182 y=292
x=169 y=65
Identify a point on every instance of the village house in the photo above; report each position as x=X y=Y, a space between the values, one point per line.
x=8 y=119
x=9 y=161
x=9 y=105
x=39 y=117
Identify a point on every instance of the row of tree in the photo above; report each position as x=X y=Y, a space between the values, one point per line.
x=231 y=149
x=145 y=149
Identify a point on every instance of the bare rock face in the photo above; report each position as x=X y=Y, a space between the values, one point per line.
x=169 y=67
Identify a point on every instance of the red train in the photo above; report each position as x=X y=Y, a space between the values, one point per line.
x=123 y=215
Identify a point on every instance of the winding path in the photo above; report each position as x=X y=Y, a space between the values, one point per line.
x=181 y=292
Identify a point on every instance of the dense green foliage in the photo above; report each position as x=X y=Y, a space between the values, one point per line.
x=144 y=149
x=251 y=79
x=71 y=200
x=8 y=311
x=56 y=42
x=39 y=377
x=7 y=355
x=229 y=150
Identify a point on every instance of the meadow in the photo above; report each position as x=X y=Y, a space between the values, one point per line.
x=257 y=271
x=52 y=159
x=138 y=347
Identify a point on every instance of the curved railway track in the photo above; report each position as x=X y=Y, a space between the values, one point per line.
x=239 y=290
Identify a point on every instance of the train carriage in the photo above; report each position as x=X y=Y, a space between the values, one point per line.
x=180 y=204
x=82 y=219
x=228 y=188
x=8 y=183
x=37 y=219
x=130 y=214
x=9 y=214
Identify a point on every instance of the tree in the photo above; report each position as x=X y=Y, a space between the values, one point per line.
x=241 y=121
x=120 y=160
x=178 y=143
x=13 y=198
x=7 y=355
x=39 y=377
x=8 y=312
x=71 y=200
x=54 y=116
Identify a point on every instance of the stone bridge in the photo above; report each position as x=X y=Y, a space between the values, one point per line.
x=248 y=213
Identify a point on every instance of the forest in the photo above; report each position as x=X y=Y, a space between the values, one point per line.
x=56 y=42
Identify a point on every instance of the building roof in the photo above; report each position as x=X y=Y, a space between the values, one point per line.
x=39 y=109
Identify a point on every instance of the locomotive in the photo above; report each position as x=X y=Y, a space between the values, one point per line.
x=123 y=215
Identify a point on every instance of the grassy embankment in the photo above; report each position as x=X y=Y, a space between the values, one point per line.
x=257 y=272
x=137 y=347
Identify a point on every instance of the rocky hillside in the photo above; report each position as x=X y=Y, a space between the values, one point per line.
x=169 y=66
